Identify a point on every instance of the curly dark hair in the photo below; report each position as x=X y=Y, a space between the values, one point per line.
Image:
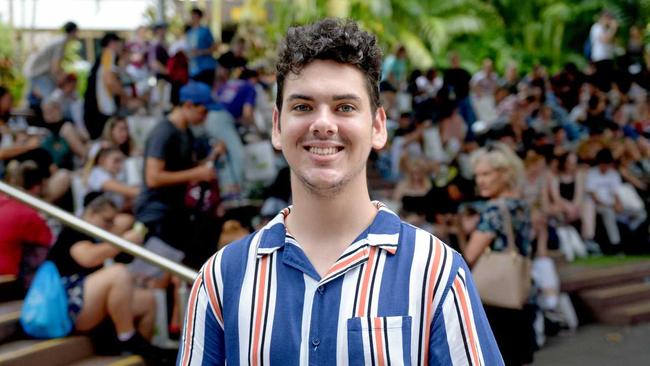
x=330 y=39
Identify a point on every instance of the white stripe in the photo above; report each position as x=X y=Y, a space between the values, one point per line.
x=348 y=288
x=395 y=342
x=472 y=324
x=366 y=339
x=417 y=282
x=452 y=328
x=310 y=290
x=245 y=299
x=219 y=280
x=374 y=301
x=266 y=350
x=198 y=335
x=377 y=239
x=445 y=265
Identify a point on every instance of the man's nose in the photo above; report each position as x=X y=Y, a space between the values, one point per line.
x=324 y=123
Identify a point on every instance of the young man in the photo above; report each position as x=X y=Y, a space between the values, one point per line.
x=335 y=278
x=202 y=64
x=170 y=165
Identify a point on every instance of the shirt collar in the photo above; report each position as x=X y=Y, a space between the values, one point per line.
x=383 y=232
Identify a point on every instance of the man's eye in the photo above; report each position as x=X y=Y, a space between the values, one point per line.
x=346 y=108
x=301 y=108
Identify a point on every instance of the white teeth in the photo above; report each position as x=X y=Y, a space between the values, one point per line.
x=323 y=150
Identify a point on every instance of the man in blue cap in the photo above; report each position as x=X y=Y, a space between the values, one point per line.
x=170 y=165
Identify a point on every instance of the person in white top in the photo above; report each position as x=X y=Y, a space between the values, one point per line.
x=602 y=183
x=601 y=36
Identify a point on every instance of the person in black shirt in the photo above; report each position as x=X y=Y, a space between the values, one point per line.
x=96 y=291
x=170 y=166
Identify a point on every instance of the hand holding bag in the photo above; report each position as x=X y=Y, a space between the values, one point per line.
x=503 y=278
x=45 y=309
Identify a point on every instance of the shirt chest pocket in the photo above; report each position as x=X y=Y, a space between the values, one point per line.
x=379 y=340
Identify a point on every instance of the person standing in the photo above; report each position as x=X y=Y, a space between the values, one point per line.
x=201 y=43
x=336 y=278
x=601 y=36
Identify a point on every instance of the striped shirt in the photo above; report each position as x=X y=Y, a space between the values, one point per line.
x=397 y=295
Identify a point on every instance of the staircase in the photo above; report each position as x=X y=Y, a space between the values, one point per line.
x=17 y=350
x=616 y=295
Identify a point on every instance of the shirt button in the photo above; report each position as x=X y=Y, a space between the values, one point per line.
x=315 y=342
x=321 y=289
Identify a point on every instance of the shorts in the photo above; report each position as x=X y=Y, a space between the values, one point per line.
x=74 y=287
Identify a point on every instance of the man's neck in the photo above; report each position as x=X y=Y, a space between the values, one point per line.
x=177 y=119
x=330 y=220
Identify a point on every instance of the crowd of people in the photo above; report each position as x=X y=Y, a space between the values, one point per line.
x=567 y=154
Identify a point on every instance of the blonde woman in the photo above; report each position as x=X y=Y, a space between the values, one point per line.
x=499 y=175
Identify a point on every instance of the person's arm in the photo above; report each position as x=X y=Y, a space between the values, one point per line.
x=113 y=185
x=478 y=242
x=156 y=176
x=460 y=333
x=11 y=152
x=74 y=140
x=89 y=255
x=203 y=341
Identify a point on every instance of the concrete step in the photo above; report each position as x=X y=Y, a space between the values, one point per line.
x=603 y=298
x=578 y=278
x=9 y=316
x=629 y=314
x=111 y=361
x=52 y=352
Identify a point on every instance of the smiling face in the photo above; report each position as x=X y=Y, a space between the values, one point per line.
x=326 y=127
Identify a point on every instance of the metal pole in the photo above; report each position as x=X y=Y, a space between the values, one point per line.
x=78 y=224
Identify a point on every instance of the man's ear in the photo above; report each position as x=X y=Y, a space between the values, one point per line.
x=379 y=132
x=275 y=134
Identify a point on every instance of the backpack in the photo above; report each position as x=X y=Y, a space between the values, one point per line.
x=178 y=68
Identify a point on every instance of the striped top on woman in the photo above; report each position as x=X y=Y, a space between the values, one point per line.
x=397 y=295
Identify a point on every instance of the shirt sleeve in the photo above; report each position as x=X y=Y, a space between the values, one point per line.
x=36 y=231
x=203 y=340
x=460 y=332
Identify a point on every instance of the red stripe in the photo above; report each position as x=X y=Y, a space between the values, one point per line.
x=466 y=319
x=380 y=344
x=257 y=330
x=338 y=266
x=210 y=285
x=432 y=281
x=189 y=324
x=361 y=310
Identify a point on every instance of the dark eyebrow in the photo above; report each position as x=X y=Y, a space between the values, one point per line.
x=346 y=96
x=299 y=96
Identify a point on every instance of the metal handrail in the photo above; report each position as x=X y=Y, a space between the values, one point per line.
x=76 y=223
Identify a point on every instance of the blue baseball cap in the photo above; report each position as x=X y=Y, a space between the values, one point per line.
x=199 y=94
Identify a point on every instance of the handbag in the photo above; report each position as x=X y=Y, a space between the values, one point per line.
x=45 y=309
x=503 y=278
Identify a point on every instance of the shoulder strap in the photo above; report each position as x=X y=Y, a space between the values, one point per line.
x=507 y=223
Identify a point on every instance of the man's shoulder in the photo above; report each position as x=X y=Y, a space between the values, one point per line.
x=234 y=255
x=421 y=241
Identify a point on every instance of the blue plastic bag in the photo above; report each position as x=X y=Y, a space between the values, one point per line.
x=45 y=309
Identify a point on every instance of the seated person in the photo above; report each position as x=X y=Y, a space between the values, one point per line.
x=22 y=225
x=96 y=291
x=105 y=174
x=63 y=140
x=115 y=134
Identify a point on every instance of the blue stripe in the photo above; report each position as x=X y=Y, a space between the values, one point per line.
x=285 y=340
x=355 y=342
x=214 y=352
x=395 y=276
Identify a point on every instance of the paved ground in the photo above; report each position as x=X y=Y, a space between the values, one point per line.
x=596 y=345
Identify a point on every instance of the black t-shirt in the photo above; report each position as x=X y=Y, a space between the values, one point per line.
x=60 y=253
x=458 y=79
x=175 y=148
x=230 y=61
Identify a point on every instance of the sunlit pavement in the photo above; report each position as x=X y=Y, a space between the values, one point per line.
x=595 y=345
